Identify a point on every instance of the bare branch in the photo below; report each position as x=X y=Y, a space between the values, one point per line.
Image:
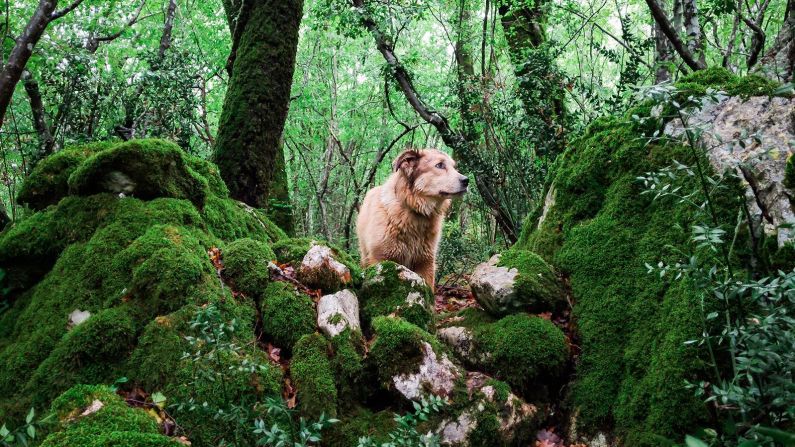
x=665 y=26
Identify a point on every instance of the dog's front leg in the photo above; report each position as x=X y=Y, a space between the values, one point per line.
x=427 y=270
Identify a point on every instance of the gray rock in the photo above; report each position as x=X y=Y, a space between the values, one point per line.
x=493 y=286
x=761 y=163
x=337 y=312
x=514 y=415
x=436 y=375
x=459 y=339
x=319 y=269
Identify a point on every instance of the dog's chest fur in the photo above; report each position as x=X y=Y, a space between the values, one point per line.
x=406 y=227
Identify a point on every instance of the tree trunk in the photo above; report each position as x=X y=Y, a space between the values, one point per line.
x=779 y=61
x=662 y=55
x=695 y=36
x=673 y=36
x=540 y=84
x=23 y=49
x=46 y=140
x=452 y=138
x=248 y=150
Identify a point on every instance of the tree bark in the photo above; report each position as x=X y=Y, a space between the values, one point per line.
x=248 y=147
x=662 y=55
x=542 y=93
x=779 y=61
x=665 y=26
x=695 y=35
x=23 y=49
x=453 y=139
x=46 y=140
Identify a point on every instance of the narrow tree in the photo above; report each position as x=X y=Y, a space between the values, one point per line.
x=452 y=138
x=540 y=83
x=248 y=148
x=779 y=61
x=11 y=72
x=661 y=18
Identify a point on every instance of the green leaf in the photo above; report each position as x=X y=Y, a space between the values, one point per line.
x=694 y=442
x=31 y=430
x=788 y=439
x=29 y=417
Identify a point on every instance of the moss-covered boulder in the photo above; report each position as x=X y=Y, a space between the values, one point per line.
x=600 y=231
x=246 y=265
x=48 y=182
x=517 y=281
x=410 y=360
x=523 y=350
x=287 y=315
x=144 y=169
x=313 y=375
x=392 y=289
x=137 y=266
x=94 y=416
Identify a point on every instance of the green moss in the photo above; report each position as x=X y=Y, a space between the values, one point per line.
x=719 y=78
x=389 y=288
x=397 y=348
x=287 y=315
x=109 y=422
x=789 y=173
x=537 y=285
x=145 y=169
x=47 y=183
x=347 y=360
x=523 y=348
x=632 y=325
x=127 y=261
x=312 y=372
x=229 y=220
x=246 y=265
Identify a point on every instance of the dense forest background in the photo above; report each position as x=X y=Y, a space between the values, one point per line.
x=630 y=163
x=158 y=69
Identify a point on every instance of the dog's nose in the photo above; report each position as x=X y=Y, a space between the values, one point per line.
x=465 y=181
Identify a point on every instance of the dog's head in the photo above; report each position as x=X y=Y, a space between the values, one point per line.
x=431 y=173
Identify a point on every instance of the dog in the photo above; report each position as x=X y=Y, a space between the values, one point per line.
x=401 y=220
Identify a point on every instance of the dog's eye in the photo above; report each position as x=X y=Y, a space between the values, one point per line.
x=440 y=165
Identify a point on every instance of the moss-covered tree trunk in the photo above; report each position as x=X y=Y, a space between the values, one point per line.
x=248 y=150
x=540 y=83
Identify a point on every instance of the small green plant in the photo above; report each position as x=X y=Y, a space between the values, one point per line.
x=285 y=432
x=406 y=435
x=25 y=434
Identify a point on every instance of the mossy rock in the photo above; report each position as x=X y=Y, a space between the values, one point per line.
x=347 y=361
x=94 y=416
x=287 y=315
x=392 y=289
x=517 y=281
x=719 y=78
x=145 y=169
x=292 y=251
x=789 y=173
x=632 y=326
x=246 y=265
x=48 y=182
x=139 y=267
x=523 y=349
x=397 y=347
x=313 y=375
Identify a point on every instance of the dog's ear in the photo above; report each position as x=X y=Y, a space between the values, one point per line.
x=407 y=162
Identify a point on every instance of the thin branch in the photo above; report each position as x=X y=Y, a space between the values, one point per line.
x=62 y=12
x=665 y=26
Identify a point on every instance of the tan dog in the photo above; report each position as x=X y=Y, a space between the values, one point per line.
x=401 y=220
